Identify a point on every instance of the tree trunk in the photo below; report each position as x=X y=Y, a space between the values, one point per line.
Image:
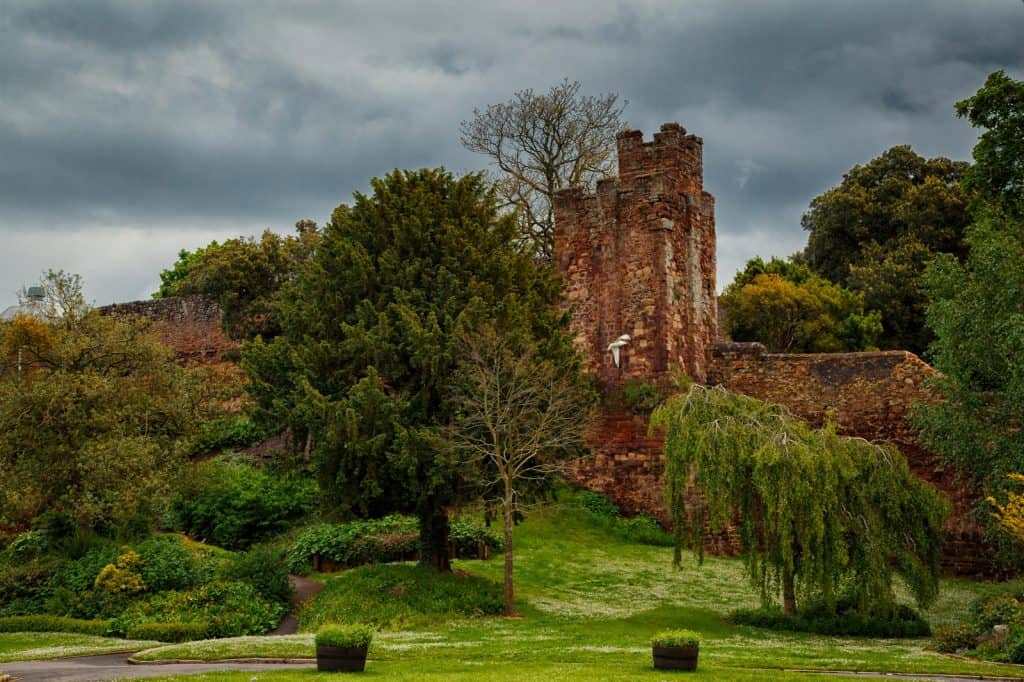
x=433 y=545
x=788 y=593
x=510 y=597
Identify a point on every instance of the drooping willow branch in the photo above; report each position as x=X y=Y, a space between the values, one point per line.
x=815 y=512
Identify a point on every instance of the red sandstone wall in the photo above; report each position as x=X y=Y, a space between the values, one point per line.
x=191 y=326
x=639 y=259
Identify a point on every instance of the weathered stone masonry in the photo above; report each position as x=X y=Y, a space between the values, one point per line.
x=639 y=258
x=191 y=326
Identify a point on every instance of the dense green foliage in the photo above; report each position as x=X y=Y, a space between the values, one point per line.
x=47 y=623
x=371 y=333
x=978 y=318
x=392 y=538
x=676 y=638
x=876 y=231
x=817 y=512
x=228 y=609
x=231 y=503
x=227 y=433
x=642 y=529
x=845 y=620
x=265 y=569
x=168 y=631
x=399 y=595
x=354 y=635
x=243 y=276
x=998 y=171
x=95 y=416
x=790 y=309
x=167 y=564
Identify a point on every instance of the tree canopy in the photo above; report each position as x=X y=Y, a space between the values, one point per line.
x=816 y=512
x=876 y=231
x=792 y=310
x=998 y=171
x=94 y=413
x=371 y=335
x=243 y=276
x=541 y=143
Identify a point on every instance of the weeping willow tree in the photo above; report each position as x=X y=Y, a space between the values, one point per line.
x=817 y=514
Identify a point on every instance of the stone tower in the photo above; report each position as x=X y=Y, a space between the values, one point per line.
x=638 y=256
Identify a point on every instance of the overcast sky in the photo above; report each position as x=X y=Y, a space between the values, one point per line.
x=132 y=129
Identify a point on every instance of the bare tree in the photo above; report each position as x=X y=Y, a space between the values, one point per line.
x=543 y=143
x=520 y=417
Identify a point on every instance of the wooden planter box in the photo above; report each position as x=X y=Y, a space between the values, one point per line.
x=341 y=658
x=675 y=657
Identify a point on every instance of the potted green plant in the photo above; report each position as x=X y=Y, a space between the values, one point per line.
x=342 y=647
x=676 y=650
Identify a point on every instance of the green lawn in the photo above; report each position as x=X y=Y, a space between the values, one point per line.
x=591 y=604
x=33 y=646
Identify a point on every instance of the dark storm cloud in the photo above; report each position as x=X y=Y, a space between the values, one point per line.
x=130 y=129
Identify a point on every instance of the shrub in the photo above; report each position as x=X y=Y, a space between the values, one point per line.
x=233 y=504
x=641 y=397
x=951 y=639
x=42 y=623
x=399 y=595
x=676 y=638
x=166 y=564
x=643 y=529
x=392 y=538
x=70 y=590
x=597 y=504
x=231 y=609
x=844 y=620
x=1015 y=645
x=348 y=636
x=24 y=587
x=227 y=433
x=264 y=568
x=169 y=632
x=999 y=608
x=123 y=577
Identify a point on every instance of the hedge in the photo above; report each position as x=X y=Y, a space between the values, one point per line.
x=45 y=623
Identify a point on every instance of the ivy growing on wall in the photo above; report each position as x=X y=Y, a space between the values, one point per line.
x=817 y=514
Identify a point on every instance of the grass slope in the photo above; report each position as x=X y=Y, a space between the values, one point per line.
x=591 y=603
x=36 y=646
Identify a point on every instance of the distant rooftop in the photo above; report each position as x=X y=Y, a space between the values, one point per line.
x=33 y=296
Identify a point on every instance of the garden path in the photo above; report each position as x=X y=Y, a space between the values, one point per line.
x=303 y=589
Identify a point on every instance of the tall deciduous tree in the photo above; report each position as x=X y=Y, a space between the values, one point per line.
x=243 y=276
x=816 y=511
x=790 y=309
x=94 y=413
x=519 y=416
x=371 y=334
x=878 y=228
x=998 y=171
x=541 y=143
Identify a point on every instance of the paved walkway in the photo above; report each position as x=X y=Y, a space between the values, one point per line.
x=116 y=666
x=303 y=589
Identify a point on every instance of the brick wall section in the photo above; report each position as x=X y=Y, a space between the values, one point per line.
x=191 y=326
x=639 y=259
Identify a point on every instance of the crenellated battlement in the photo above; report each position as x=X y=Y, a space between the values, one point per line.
x=638 y=254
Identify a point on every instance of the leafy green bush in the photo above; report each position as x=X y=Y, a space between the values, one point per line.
x=264 y=568
x=399 y=595
x=845 y=620
x=1015 y=645
x=641 y=397
x=676 y=638
x=24 y=586
x=643 y=529
x=70 y=590
x=348 y=636
x=392 y=538
x=166 y=564
x=43 y=623
x=232 y=504
x=227 y=433
x=951 y=639
x=169 y=632
x=231 y=609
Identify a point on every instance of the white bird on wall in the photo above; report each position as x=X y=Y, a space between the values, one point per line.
x=615 y=345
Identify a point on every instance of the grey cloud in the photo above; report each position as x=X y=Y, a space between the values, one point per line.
x=192 y=120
